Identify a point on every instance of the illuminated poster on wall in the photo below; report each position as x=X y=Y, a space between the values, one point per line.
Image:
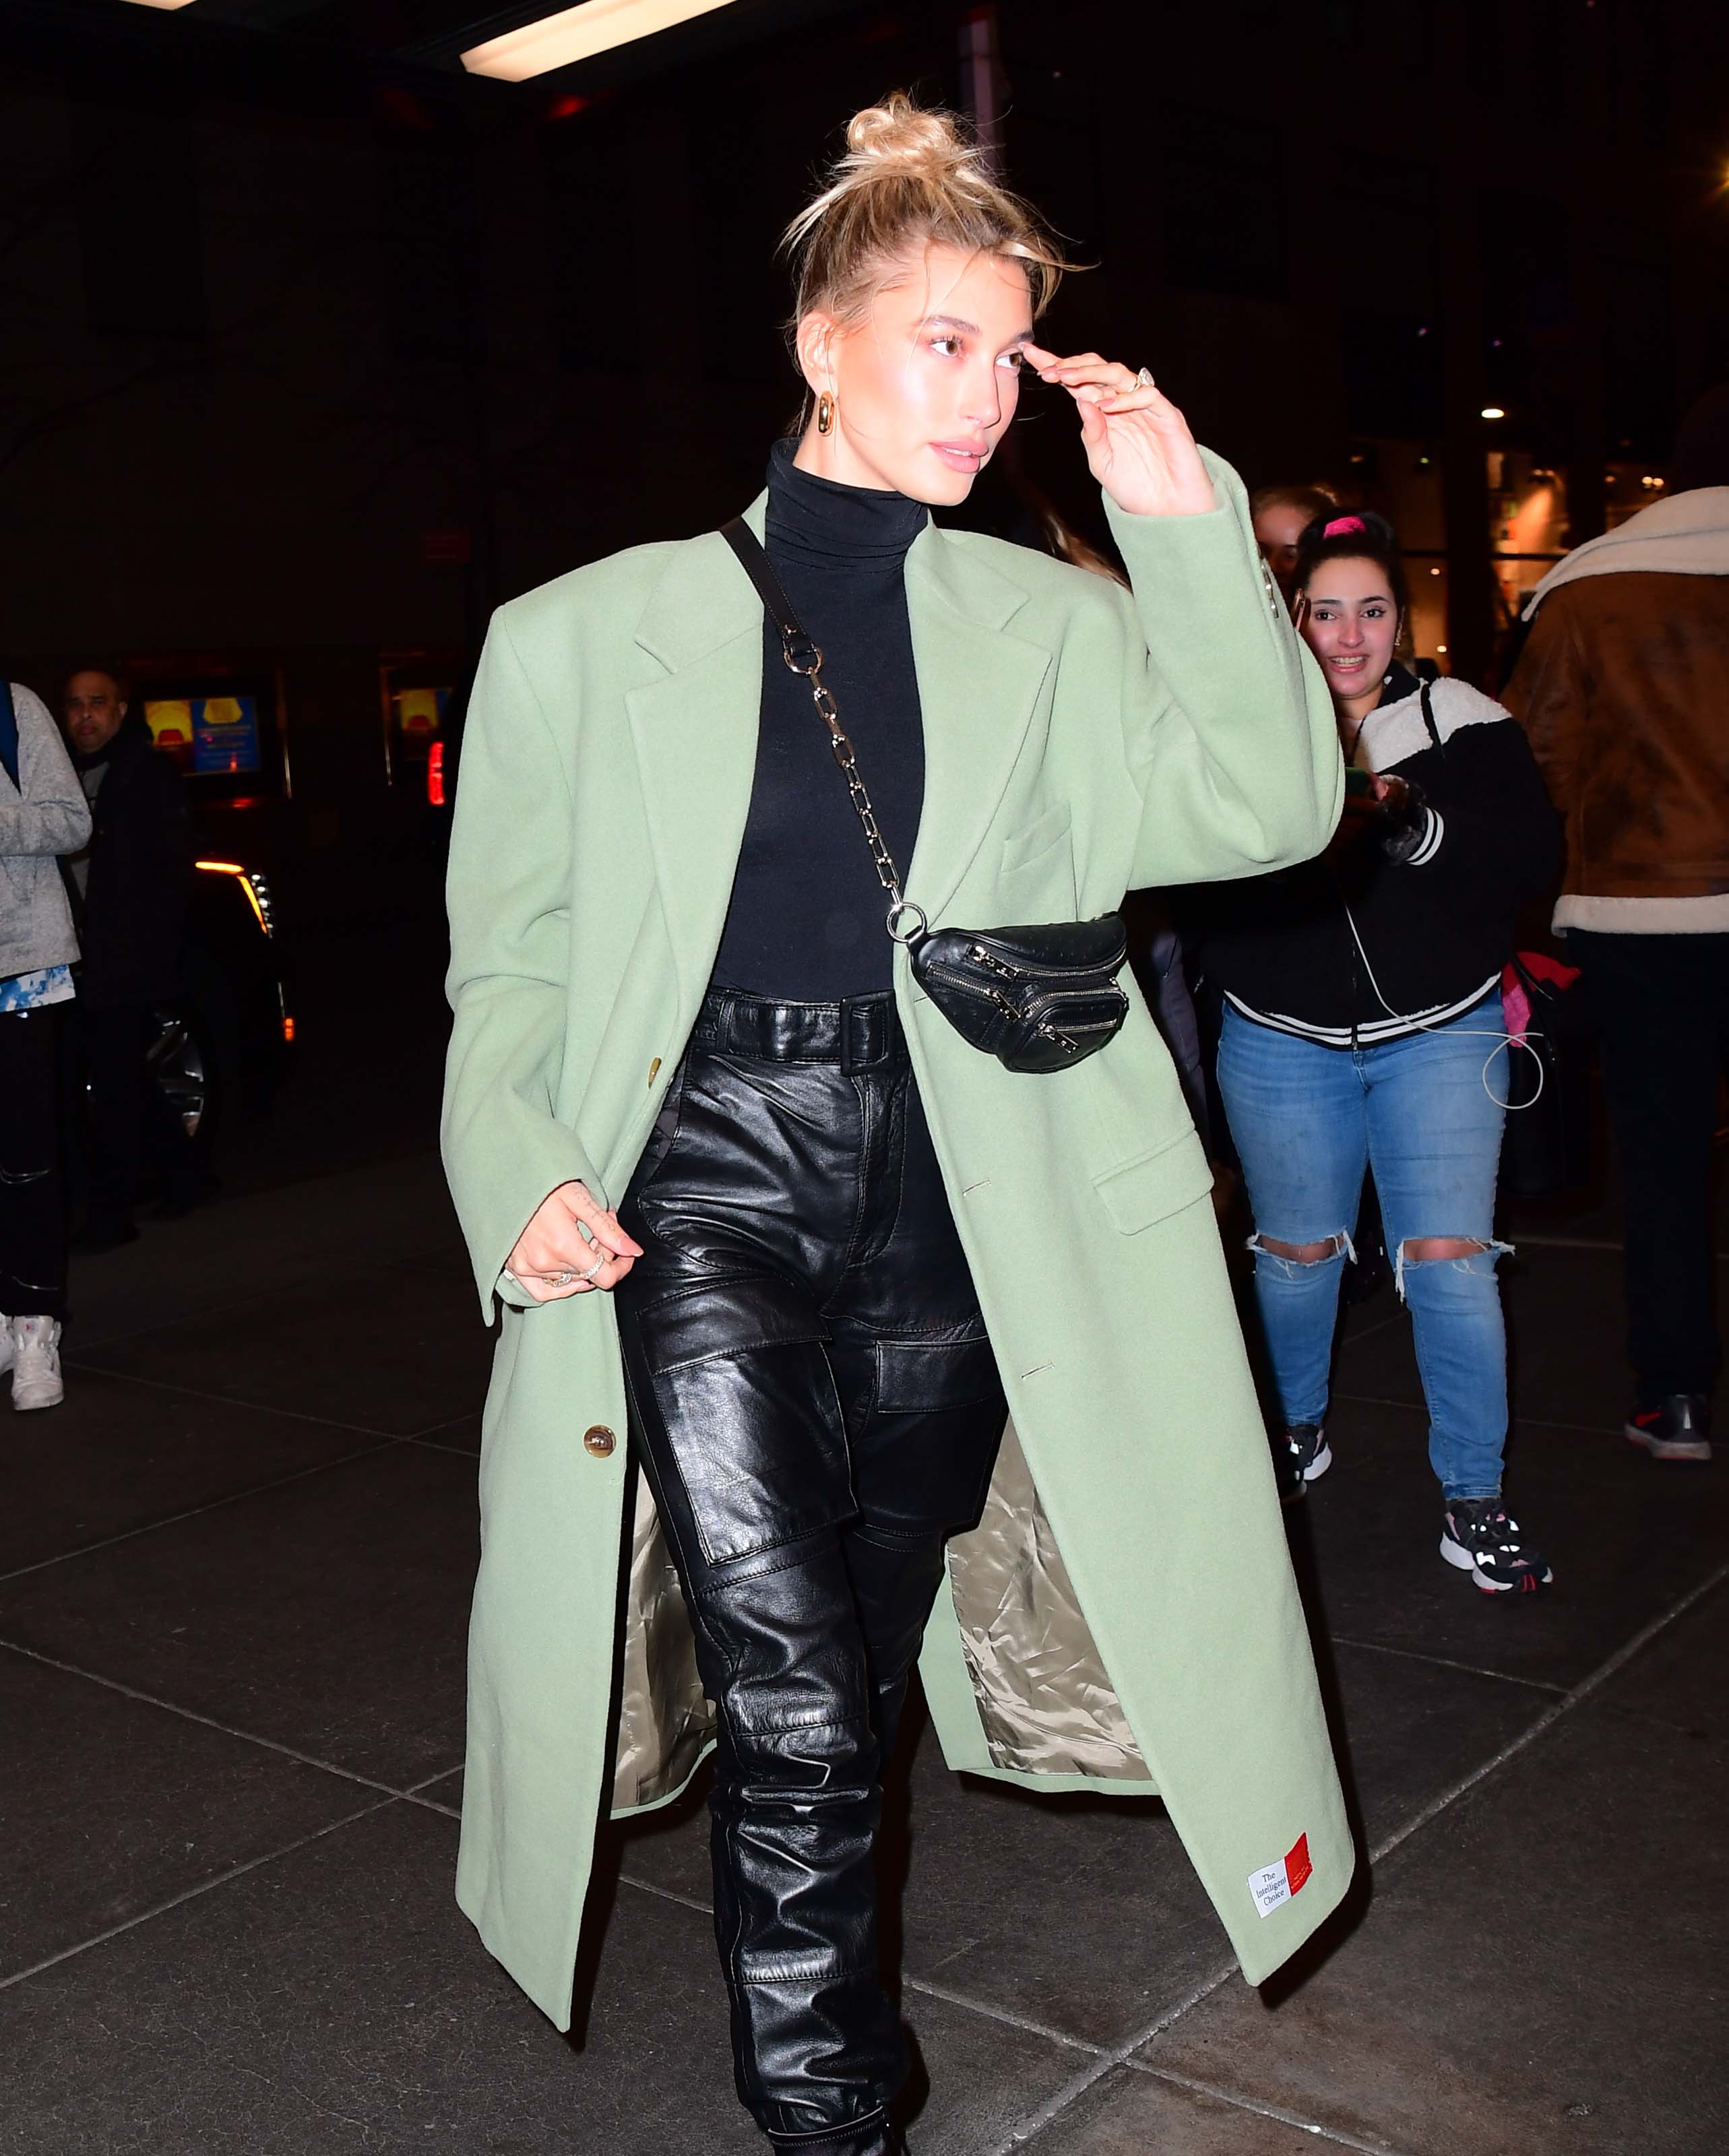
x=170 y=720
x=420 y=712
x=206 y=734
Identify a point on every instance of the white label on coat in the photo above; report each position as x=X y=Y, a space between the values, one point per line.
x=1274 y=1886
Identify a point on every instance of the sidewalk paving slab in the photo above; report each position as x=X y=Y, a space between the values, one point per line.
x=329 y=1613
x=1541 y=1969
x=114 y=1806
x=462 y=1436
x=246 y=1247
x=1679 y=1678
x=395 y=1349
x=1130 y=2113
x=335 y=2000
x=1626 y=1536
x=117 y=1456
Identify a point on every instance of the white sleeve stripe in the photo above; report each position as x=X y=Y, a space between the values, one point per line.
x=1431 y=844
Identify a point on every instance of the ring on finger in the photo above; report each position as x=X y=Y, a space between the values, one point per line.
x=1143 y=380
x=599 y=1266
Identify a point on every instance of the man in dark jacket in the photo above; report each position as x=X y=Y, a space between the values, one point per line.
x=1623 y=690
x=129 y=886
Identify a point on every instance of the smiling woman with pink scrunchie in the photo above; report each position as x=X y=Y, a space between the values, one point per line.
x=1364 y=1025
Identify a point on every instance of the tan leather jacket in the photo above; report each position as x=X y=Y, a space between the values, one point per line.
x=1624 y=691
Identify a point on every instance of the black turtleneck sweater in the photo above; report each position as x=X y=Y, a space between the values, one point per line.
x=806 y=921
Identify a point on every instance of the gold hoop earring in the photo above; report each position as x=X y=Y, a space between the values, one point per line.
x=825 y=414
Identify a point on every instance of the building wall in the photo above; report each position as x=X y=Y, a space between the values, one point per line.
x=276 y=324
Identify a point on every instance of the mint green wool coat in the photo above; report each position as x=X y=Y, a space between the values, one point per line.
x=1124 y=1619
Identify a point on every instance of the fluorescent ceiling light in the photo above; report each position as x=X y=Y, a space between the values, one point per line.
x=573 y=33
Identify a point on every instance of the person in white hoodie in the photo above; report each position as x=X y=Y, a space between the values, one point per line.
x=43 y=814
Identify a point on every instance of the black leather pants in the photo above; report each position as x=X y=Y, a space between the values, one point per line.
x=817 y=1407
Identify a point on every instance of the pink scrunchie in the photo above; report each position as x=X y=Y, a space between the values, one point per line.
x=1344 y=524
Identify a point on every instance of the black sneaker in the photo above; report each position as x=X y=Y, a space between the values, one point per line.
x=1678 y=1428
x=1480 y=1539
x=1299 y=1457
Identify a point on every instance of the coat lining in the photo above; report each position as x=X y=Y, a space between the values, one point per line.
x=1045 y=1703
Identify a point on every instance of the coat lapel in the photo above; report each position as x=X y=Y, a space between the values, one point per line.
x=696 y=738
x=979 y=686
x=695 y=730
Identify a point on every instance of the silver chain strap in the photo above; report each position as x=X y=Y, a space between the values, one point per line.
x=841 y=747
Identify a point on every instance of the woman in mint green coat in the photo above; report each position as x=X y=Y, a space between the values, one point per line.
x=916 y=1355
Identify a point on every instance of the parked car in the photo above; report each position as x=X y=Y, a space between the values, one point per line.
x=227 y=1039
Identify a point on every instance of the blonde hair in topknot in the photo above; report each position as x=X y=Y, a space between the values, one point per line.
x=911 y=176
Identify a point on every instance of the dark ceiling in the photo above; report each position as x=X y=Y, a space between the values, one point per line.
x=430 y=30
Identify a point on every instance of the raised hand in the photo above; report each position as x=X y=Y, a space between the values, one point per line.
x=1138 y=446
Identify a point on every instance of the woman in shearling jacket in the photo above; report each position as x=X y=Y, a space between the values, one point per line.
x=43 y=814
x=912 y=1348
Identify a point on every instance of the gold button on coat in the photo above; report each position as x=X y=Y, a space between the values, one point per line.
x=599 y=1440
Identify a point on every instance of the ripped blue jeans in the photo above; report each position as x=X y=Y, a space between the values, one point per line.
x=1307 y=1120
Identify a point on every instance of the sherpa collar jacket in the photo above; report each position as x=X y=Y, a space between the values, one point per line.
x=1622 y=690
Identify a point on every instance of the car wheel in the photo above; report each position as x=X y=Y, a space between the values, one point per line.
x=182 y=1072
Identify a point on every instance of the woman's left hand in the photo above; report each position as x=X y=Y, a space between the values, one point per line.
x=1386 y=809
x=1138 y=444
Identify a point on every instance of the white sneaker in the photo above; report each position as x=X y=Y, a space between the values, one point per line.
x=5 y=1343
x=33 y=1349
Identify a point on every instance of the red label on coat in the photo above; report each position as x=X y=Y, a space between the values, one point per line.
x=1274 y=1885
x=1297 y=1865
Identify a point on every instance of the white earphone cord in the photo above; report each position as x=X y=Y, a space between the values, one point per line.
x=1501 y=1040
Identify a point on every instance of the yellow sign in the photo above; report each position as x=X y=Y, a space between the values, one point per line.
x=417 y=711
x=170 y=720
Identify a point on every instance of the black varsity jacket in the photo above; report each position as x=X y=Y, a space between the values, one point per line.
x=1352 y=949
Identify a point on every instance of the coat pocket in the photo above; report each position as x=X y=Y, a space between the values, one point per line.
x=1020 y=849
x=1160 y=1182
x=1034 y=881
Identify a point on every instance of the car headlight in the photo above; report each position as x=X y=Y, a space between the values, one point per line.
x=254 y=883
x=259 y=884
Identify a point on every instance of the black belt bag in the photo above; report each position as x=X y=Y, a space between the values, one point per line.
x=1038 y=998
